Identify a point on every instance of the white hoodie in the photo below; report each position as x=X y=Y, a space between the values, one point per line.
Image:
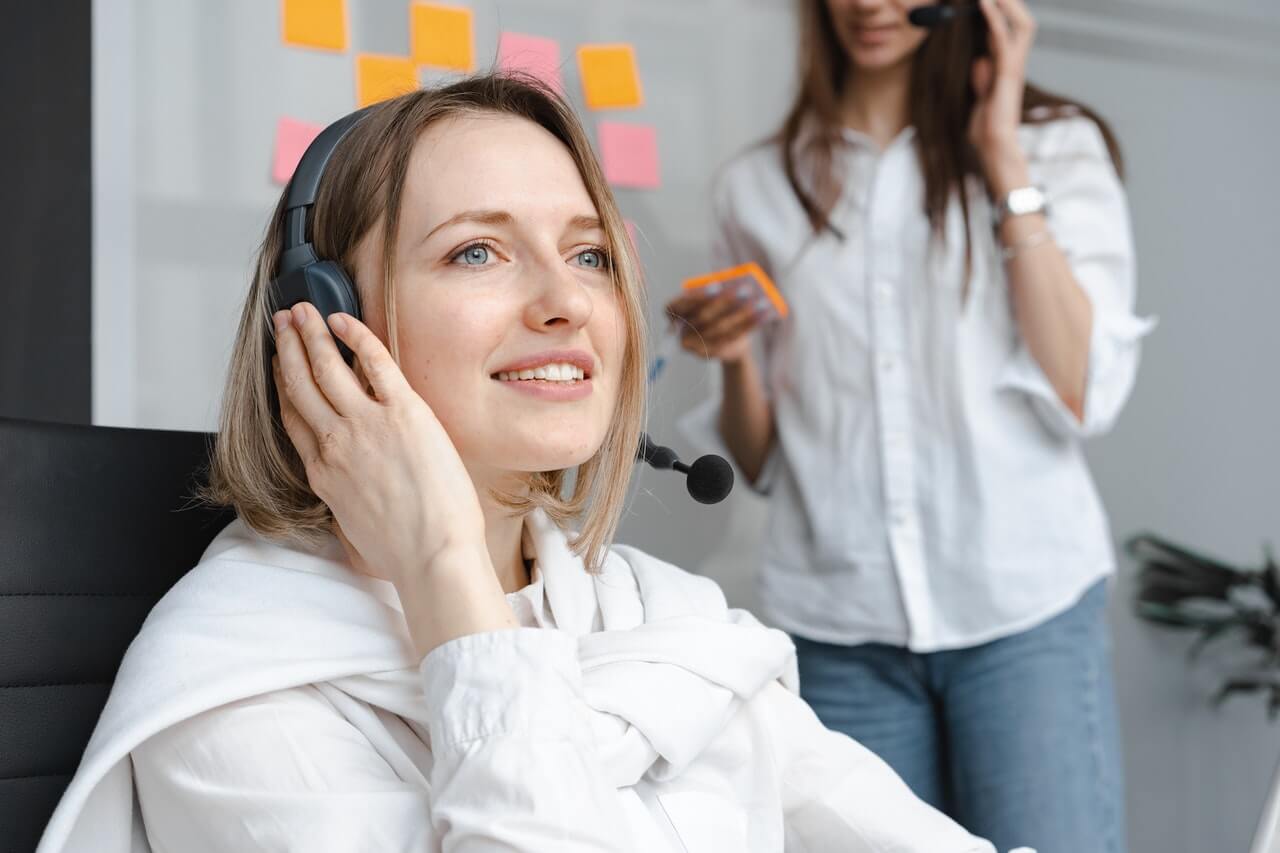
x=272 y=701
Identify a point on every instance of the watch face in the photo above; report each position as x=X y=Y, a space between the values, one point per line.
x=1025 y=200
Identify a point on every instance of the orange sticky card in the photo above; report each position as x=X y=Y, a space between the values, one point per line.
x=441 y=36
x=629 y=154
x=382 y=77
x=533 y=55
x=766 y=290
x=292 y=139
x=609 y=76
x=314 y=23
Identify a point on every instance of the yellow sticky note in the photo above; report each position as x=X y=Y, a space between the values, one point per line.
x=314 y=23
x=609 y=76
x=382 y=77
x=440 y=36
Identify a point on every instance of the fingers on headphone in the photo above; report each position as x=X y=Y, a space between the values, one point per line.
x=379 y=368
x=298 y=382
x=299 y=433
x=332 y=376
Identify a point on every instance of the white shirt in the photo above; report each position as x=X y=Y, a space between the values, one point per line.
x=272 y=701
x=927 y=486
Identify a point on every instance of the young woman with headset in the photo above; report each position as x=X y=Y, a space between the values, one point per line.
x=954 y=244
x=400 y=643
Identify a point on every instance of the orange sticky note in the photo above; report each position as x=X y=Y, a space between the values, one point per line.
x=751 y=271
x=629 y=154
x=609 y=76
x=440 y=36
x=381 y=77
x=292 y=139
x=314 y=23
x=533 y=55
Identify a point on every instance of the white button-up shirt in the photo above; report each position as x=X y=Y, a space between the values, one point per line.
x=927 y=485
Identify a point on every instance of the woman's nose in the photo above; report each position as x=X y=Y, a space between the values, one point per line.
x=561 y=299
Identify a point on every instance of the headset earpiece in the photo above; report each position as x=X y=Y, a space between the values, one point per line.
x=303 y=276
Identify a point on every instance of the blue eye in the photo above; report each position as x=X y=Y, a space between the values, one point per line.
x=475 y=255
x=593 y=259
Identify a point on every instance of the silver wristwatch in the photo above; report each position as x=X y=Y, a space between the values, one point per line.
x=1021 y=201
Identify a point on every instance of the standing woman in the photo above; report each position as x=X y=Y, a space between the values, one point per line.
x=955 y=247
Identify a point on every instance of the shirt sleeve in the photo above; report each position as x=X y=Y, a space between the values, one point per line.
x=731 y=245
x=838 y=795
x=515 y=762
x=1088 y=217
x=281 y=771
x=513 y=768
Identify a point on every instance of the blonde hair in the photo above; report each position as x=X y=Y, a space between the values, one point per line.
x=254 y=466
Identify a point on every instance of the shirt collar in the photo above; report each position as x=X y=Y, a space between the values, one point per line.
x=813 y=130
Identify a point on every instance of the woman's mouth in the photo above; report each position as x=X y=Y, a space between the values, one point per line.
x=563 y=372
x=869 y=36
x=555 y=380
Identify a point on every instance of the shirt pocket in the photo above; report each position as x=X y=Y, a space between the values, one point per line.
x=706 y=822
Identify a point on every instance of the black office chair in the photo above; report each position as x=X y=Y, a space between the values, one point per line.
x=96 y=524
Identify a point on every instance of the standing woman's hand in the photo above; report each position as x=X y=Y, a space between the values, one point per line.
x=717 y=325
x=998 y=83
x=400 y=495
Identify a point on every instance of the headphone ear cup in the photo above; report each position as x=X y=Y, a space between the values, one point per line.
x=331 y=291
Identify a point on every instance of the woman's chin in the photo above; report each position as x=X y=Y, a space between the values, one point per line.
x=546 y=458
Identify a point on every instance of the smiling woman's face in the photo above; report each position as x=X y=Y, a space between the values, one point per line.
x=500 y=270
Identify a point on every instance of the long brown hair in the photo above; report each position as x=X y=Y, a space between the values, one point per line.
x=941 y=101
x=255 y=467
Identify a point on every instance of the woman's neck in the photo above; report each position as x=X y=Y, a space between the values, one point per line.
x=503 y=531
x=504 y=534
x=877 y=102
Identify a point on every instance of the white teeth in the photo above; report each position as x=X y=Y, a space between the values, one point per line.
x=559 y=372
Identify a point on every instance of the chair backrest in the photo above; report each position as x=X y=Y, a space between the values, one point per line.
x=96 y=524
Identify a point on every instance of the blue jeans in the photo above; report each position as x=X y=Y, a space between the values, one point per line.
x=1015 y=739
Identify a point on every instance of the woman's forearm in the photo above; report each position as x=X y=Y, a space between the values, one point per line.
x=457 y=595
x=746 y=420
x=1053 y=313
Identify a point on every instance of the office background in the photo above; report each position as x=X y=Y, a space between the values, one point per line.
x=136 y=160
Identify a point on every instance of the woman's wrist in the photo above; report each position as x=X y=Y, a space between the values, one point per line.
x=1005 y=167
x=739 y=364
x=454 y=594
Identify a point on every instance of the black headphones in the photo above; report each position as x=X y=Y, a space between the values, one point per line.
x=303 y=276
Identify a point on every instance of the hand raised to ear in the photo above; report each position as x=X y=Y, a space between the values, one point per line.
x=375 y=454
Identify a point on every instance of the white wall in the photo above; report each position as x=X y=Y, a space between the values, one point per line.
x=186 y=94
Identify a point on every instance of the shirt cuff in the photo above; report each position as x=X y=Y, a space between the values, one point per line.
x=525 y=681
x=1113 y=354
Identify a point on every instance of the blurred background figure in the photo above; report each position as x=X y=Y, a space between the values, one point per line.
x=956 y=250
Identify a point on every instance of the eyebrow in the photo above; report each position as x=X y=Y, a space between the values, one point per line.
x=501 y=217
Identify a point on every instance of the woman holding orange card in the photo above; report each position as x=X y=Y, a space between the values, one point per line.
x=954 y=246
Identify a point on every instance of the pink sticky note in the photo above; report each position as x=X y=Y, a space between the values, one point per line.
x=629 y=154
x=533 y=55
x=292 y=139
